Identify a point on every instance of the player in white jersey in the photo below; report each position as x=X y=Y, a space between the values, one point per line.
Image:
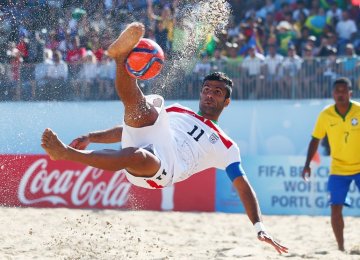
x=161 y=146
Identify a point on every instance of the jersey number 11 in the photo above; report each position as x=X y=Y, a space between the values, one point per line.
x=198 y=135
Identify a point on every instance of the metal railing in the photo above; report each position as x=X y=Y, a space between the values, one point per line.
x=253 y=79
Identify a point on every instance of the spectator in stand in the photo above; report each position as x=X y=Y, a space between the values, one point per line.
x=15 y=60
x=84 y=29
x=39 y=45
x=299 y=23
x=106 y=74
x=329 y=39
x=181 y=36
x=268 y=8
x=334 y=14
x=4 y=83
x=166 y=19
x=59 y=68
x=269 y=26
x=311 y=42
x=42 y=69
x=58 y=74
x=300 y=10
x=64 y=43
x=53 y=43
x=302 y=38
x=233 y=29
x=5 y=31
x=97 y=22
x=201 y=69
x=346 y=29
x=253 y=79
x=95 y=45
x=233 y=66
x=290 y=70
x=280 y=14
x=74 y=56
x=308 y=74
x=203 y=66
x=330 y=71
x=91 y=21
x=107 y=37
x=285 y=35
x=350 y=65
x=108 y=6
x=161 y=36
x=23 y=47
x=354 y=13
x=218 y=61
x=272 y=65
x=87 y=76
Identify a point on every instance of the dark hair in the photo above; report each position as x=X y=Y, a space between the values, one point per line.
x=220 y=76
x=343 y=80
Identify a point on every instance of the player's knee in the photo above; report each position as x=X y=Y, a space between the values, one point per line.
x=336 y=210
x=139 y=156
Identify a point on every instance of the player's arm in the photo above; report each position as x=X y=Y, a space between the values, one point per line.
x=313 y=146
x=248 y=198
x=112 y=135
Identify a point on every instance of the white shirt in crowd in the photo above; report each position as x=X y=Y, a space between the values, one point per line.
x=58 y=70
x=273 y=62
x=253 y=64
x=345 y=29
x=88 y=72
x=291 y=65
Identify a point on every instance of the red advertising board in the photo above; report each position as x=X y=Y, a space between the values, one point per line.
x=37 y=181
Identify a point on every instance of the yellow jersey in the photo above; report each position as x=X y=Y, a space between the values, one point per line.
x=344 y=137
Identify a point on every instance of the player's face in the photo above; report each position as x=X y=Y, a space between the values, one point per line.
x=213 y=98
x=341 y=94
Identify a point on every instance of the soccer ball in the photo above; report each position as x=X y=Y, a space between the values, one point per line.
x=146 y=60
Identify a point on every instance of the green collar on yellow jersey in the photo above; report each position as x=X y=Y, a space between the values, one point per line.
x=343 y=116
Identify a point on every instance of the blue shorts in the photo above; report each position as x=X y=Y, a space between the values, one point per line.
x=338 y=186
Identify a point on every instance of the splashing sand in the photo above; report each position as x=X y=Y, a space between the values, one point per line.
x=197 y=20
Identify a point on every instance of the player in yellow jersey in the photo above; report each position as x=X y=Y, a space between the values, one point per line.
x=341 y=123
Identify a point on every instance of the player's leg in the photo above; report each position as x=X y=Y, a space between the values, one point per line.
x=138 y=113
x=338 y=187
x=138 y=161
x=337 y=223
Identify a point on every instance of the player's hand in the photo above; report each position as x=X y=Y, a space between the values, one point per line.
x=265 y=237
x=306 y=173
x=80 y=143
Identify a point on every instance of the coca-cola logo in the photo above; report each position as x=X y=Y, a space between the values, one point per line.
x=85 y=187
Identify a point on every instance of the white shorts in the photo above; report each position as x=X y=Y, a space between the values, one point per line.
x=158 y=138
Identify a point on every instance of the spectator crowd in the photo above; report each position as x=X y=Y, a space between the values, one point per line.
x=56 y=49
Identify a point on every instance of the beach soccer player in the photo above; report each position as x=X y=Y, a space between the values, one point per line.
x=340 y=122
x=164 y=145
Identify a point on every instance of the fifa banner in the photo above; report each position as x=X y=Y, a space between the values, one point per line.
x=37 y=181
x=281 y=190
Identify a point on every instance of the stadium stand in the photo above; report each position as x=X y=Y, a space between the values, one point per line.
x=288 y=49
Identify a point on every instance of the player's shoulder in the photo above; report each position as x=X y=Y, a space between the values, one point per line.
x=178 y=106
x=227 y=140
x=328 y=109
x=355 y=104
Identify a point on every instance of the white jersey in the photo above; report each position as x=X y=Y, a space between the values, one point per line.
x=200 y=143
x=185 y=143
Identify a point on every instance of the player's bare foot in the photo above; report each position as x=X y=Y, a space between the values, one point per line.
x=52 y=145
x=127 y=40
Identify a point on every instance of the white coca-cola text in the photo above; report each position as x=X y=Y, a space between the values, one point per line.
x=86 y=187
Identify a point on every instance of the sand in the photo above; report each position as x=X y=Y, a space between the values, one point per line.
x=30 y=233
